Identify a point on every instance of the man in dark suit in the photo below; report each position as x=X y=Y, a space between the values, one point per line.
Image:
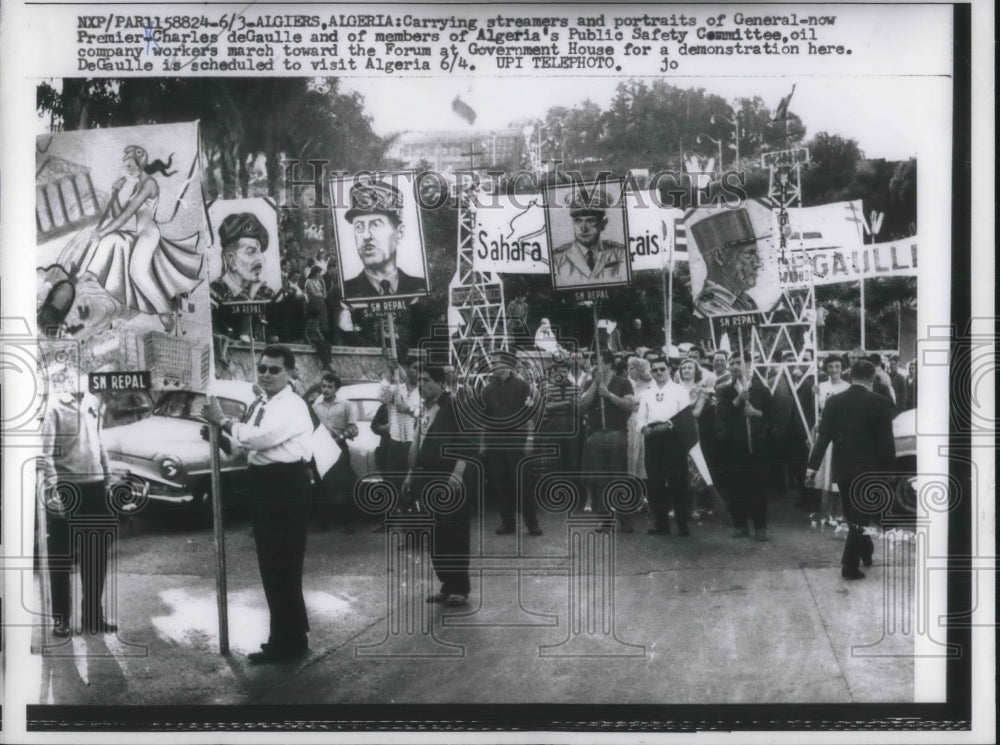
x=859 y=424
x=437 y=431
x=376 y=217
x=743 y=413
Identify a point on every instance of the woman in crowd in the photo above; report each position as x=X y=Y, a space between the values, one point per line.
x=833 y=367
x=642 y=378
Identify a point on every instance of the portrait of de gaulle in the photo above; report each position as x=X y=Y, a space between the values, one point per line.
x=732 y=255
x=244 y=242
x=598 y=254
x=379 y=232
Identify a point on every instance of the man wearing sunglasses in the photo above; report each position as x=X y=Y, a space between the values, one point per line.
x=276 y=433
x=666 y=449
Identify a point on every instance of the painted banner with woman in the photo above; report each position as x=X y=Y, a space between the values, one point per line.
x=121 y=250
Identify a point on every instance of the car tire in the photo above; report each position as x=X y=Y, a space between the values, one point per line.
x=199 y=510
x=904 y=500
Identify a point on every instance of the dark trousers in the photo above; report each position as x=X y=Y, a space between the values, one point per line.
x=397 y=463
x=502 y=473
x=334 y=493
x=279 y=514
x=743 y=479
x=451 y=545
x=858 y=545
x=71 y=541
x=667 y=479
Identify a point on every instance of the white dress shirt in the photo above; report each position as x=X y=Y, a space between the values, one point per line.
x=281 y=434
x=659 y=404
x=71 y=440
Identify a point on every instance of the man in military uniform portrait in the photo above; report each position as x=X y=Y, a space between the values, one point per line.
x=244 y=244
x=588 y=259
x=376 y=217
x=729 y=247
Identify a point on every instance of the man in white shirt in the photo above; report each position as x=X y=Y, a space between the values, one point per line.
x=277 y=433
x=401 y=395
x=338 y=416
x=74 y=474
x=666 y=454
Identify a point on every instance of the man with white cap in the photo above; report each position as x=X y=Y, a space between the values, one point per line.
x=545 y=338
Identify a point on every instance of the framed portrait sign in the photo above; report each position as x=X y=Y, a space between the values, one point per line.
x=378 y=230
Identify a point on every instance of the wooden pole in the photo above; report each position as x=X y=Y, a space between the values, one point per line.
x=392 y=336
x=739 y=336
x=668 y=293
x=220 y=539
x=597 y=348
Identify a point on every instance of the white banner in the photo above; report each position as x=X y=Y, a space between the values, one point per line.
x=834 y=225
x=650 y=229
x=832 y=265
x=510 y=235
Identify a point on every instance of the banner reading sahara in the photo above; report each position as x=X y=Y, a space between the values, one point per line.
x=121 y=242
x=832 y=265
x=510 y=235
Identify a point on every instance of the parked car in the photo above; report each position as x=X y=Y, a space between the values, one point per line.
x=904 y=432
x=167 y=452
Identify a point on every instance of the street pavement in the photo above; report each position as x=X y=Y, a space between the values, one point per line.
x=638 y=619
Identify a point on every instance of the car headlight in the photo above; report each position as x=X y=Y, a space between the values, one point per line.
x=172 y=468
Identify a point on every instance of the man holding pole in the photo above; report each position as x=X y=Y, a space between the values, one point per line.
x=668 y=439
x=743 y=411
x=607 y=401
x=277 y=433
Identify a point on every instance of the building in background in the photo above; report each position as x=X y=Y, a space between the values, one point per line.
x=447 y=152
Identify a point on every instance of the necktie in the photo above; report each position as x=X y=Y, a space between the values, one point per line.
x=260 y=415
x=590 y=260
x=385 y=287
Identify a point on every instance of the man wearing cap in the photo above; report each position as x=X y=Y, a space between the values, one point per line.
x=376 y=215
x=587 y=259
x=244 y=243
x=729 y=247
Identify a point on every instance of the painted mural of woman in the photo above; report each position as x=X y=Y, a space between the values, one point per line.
x=129 y=256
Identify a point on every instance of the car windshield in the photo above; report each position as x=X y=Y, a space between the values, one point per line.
x=366 y=408
x=188 y=405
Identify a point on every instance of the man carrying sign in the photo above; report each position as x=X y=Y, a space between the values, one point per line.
x=277 y=433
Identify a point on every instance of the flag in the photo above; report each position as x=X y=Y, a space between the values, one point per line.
x=782 y=111
x=463 y=109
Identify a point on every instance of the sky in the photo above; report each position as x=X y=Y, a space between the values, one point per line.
x=878 y=112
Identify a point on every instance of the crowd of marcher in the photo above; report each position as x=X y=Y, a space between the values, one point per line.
x=694 y=430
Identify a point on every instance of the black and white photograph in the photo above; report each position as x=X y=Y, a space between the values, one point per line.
x=522 y=373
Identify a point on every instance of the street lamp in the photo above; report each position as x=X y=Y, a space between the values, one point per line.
x=735 y=121
x=717 y=142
